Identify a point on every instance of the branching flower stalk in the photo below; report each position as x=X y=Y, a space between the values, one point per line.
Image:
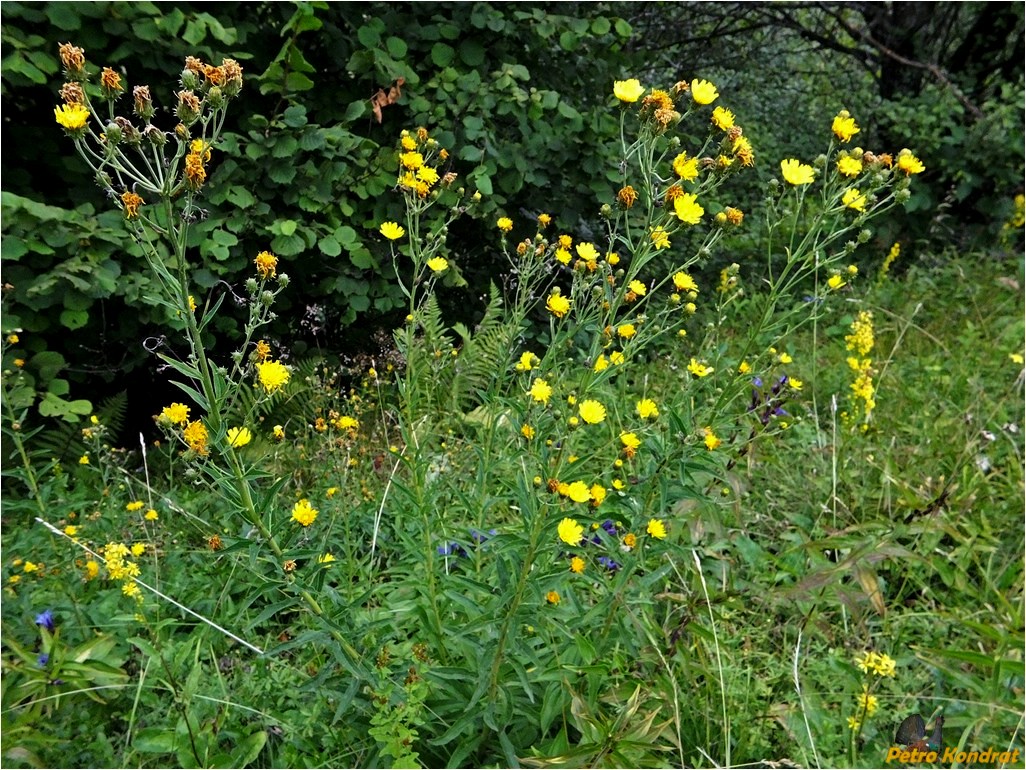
x=155 y=177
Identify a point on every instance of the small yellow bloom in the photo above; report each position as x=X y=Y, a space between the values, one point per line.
x=438 y=264
x=239 y=437
x=570 y=532
x=844 y=127
x=552 y=597
x=660 y=238
x=626 y=330
x=795 y=172
x=684 y=282
x=656 y=529
x=587 y=251
x=577 y=565
x=527 y=432
x=909 y=163
x=84 y=459
x=135 y=505
x=544 y=220
x=540 y=391
x=558 y=305
x=273 y=375
x=687 y=209
x=628 y=91
x=303 y=513
x=647 y=409
x=527 y=362
x=744 y=367
x=686 y=168
x=13 y=339
x=854 y=200
x=138 y=549
x=722 y=118
x=601 y=363
x=711 y=440
x=151 y=515
x=578 y=492
x=703 y=92
x=176 y=414
x=835 y=282
x=278 y=432
x=849 y=166
x=505 y=224
x=592 y=412
x=325 y=559
x=699 y=369
x=266 y=265
x=616 y=358
x=73 y=117
x=92 y=570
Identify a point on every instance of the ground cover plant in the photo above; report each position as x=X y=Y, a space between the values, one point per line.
x=631 y=517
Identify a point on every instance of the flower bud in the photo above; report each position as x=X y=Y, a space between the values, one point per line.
x=130 y=133
x=251 y=285
x=155 y=136
x=283 y=280
x=606 y=211
x=182 y=133
x=190 y=80
x=902 y=196
x=189 y=107
x=865 y=235
x=73 y=59
x=113 y=134
x=232 y=78
x=142 y=102
x=215 y=98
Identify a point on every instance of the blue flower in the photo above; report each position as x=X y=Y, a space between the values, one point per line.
x=452 y=549
x=45 y=619
x=43 y=659
x=608 y=563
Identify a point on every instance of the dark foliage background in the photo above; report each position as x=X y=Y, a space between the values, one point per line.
x=519 y=93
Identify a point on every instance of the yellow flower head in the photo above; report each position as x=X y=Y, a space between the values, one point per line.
x=909 y=163
x=527 y=362
x=266 y=265
x=540 y=391
x=552 y=597
x=303 y=513
x=239 y=437
x=558 y=305
x=686 y=168
x=176 y=414
x=135 y=505
x=722 y=118
x=544 y=220
x=687 y=209
x=437 y=264
x=795 y=172
x=844 y=126
x=849 y=166
x=656 y=529
x=391 y=230
x=699 y=369
x=577 y=565
x=578 y=492
x=660 y=238
x=703 y=92
x=647 y=409
x=570 y=532
x=151 y=515
x=505 y=224
x=587 y=251
x=130 y=203
x=630 y=440
x=592 y=412
x=273 y=375
x=626 y=331
x=72 y=117
x=684 y=282
x=411 y=160
x=628 y=91
x=836 y=282
x=854 y=200
x=195 y=435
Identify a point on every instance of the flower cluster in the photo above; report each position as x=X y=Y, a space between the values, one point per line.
x=418 y=172
x=880 y=664
x=120 y=567
x=860 y=342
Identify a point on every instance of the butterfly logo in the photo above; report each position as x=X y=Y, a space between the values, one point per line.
x=912 y=733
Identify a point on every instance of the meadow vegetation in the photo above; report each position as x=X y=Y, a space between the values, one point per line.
x=719 y=477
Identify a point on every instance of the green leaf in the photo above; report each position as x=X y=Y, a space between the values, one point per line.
x=442 y=54
x=355 y=110
x=295 y=116
x=600 y=26
x=241 y=197
x=248 y=749
x=370 y=34
x=472 y=52
x=623 y=28
x=297 y=81
x=154 y=740
x=64 y=16
x=194 y=32
x=396 y=47
x=329 y=246
x=74 y=319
